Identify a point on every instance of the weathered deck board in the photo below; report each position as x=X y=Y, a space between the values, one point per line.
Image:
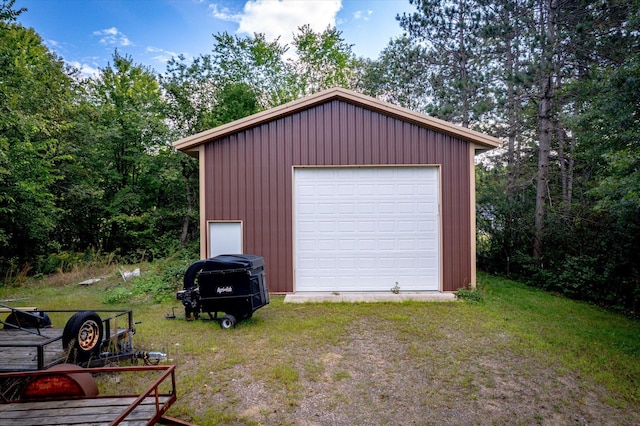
x=16 y=356
x=89 y=411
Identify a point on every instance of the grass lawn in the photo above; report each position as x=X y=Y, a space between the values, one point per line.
x=518 y=356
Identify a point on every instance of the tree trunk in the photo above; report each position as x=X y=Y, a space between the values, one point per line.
x=462 y=53
x=511 y=117
x=189 y=194
x=545 y=125
x=544 y=148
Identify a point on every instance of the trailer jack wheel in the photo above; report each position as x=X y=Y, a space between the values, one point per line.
x=227 y=322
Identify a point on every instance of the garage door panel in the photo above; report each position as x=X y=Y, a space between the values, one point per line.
x=346 y=226
x=347 y=244
x=306 y=208
x=366 y=189
x=407 y=244
x=406 y=226
x=385 y=208
x=325 y=208
x=325 y=226
x=366 y=208
x=365 y=225
x=364 y=229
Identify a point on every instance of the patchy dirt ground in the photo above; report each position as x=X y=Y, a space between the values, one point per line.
x=377 y=374
x=517 y=358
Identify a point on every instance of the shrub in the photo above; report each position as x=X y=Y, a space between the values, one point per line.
x=473 y=295
x=158 y=283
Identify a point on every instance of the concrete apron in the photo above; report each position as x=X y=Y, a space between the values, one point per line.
x=319 y=297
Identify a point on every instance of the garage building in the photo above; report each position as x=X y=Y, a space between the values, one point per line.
x=340 y=192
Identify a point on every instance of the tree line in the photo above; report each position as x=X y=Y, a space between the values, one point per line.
x=86 y=164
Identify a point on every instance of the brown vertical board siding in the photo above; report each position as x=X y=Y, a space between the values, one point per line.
x=358 y=134
x=249 y=178
x=287 y=217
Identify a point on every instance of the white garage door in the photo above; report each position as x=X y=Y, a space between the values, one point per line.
x=366 y=229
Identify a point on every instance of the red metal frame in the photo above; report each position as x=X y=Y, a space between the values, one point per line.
x=152 y=391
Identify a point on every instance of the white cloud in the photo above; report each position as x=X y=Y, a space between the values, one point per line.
x=52 y=44
x=85 y=69
x=359 y=14
x=113 y=37
x=281 y=18
x=224 y=13
x=162 y=56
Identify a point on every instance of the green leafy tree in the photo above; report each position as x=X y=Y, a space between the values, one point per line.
x=505 y=37
x=253 y=61
x=190 y=94
x=449 y=33
x=568 y=40
x=609 y=170
x=193 y=104
x=397 y=76
x=323 y=60
x=129 y=133
x=562 y=58
x=35 y=94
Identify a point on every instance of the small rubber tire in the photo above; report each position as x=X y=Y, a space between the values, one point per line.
x=227 y=322
x=82 y=335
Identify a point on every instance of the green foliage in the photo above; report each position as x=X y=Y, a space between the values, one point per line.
x=252 y=61
x=452 y=60
x=397 y=76
x=118 y=295
x=609 y=127
x=8 y=13
x=593 y=245
x=586 y=213
x=86 y=165
x=473 y=295
x=127 y=145
x=236 y=101
x=324 y=60
x=157 y=284
x=66 y=261
x=34 y=99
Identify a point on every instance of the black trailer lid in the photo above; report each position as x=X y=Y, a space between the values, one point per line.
x=225 y=262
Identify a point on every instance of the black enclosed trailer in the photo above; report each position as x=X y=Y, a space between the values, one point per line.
x=231 y=283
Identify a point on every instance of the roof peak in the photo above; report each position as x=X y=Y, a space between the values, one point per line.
x=191 y=143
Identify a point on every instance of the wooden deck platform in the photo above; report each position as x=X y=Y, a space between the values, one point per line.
x=22 y=350
x=90 y=411
x=147 y=408
x=19 y=349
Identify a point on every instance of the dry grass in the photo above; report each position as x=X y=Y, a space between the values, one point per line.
x=520 y=356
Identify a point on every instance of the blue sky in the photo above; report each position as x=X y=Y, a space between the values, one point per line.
x=86 y=32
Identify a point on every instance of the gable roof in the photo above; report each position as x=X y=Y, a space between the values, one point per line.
x=191 y=143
